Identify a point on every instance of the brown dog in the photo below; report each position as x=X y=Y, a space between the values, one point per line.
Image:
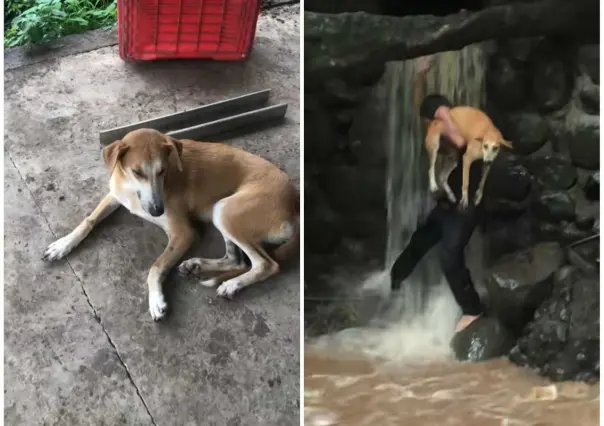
x=172 y=183
x=484 y=141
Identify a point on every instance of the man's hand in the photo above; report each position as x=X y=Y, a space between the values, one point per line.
x=424 y=63
x=455 y=136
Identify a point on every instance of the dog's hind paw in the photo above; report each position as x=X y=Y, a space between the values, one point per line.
x=228 y=289
x=157 y=306
x=190 y=268
x=210 y=282
x=59 y=249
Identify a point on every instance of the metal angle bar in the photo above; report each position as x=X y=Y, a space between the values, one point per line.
x=246 y=119
x=204 y=114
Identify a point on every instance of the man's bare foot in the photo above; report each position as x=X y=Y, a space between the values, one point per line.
x=465 y=321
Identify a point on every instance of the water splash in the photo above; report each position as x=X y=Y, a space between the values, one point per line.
x=416 y=326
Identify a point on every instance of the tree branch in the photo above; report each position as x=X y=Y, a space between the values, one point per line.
x=337 y=42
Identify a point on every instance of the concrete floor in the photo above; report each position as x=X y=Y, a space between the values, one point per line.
x=80 y=345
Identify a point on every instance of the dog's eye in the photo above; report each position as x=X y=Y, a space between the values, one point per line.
x=162 y=171
x=138 y=173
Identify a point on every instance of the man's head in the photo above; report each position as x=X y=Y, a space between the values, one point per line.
x=143 y=159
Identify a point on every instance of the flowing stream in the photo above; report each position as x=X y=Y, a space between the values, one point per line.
x=399 y=368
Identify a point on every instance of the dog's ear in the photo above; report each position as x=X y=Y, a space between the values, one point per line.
x=112 y=154
x=507 y=144
x=175 y=146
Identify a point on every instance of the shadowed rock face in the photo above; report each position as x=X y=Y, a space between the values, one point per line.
x=518 y=282
x=563 y=340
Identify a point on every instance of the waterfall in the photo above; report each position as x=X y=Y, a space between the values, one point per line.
x=458 y=75
x=417 y=326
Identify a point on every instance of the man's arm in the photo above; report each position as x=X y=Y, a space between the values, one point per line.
x=419 y=82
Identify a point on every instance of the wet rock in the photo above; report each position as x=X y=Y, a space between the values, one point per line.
x=562 y=342
x=369 y=126
x=507 y=179
x=527 y=131
x=592 y=187
x=590 y=99
x=582 y=137
x=552 y=172
x=588 y=61
x=320 y=133
x=505 y=209
x=323 y=231
x=518 y=49
x=585 y=220
x=586 y=254
x=339 y=93
x=585 y=309
x=546 y=231
x=344 y=119
x=570 y=232
x=520 y=281
x=555 y=206
x=507 y=82
x=507 y=236
x=580 y=262
x=484 y=339
x=552 y=83
x=354 y=189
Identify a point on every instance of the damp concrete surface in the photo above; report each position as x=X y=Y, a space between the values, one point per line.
x=80 y=345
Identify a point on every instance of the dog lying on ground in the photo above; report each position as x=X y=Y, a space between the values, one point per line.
x=172 y=183
x=483 y=143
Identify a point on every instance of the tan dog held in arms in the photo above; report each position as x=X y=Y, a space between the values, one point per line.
x=172 y=183
x=484 y=141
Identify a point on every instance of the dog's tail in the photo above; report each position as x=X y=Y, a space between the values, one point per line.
x=287 y=249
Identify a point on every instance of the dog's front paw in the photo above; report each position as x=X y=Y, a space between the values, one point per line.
x=477 y=197
x=463 y=203
x=451 y=197
x=228 y=289
x=434 y=189
x=157 y=306
x=190 y=268
x=59 y=249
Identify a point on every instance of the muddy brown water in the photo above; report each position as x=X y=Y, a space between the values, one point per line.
x=344 y=389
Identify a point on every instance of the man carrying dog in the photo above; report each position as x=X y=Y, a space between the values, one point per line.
x=445 y=223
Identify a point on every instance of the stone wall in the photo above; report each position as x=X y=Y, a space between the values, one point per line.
x=345 y=170
x=543 y=196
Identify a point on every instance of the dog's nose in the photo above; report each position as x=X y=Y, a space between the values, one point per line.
x=156 y=211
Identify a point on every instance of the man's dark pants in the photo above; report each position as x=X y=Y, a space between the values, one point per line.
x=453 y=228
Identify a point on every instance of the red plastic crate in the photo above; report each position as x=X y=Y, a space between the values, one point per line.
x=186 y=29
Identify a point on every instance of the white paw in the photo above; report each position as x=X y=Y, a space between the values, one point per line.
x=157 y=306
x=433 y=187
x=451 y=197
x=191 y=267
x=463 y=203
x=59 y=249
x=210 y=282
x=477 y=198
x=228 y=289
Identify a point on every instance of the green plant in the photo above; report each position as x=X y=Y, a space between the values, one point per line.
x=48 y=20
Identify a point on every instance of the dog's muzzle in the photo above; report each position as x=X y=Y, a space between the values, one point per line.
x=156 y=210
